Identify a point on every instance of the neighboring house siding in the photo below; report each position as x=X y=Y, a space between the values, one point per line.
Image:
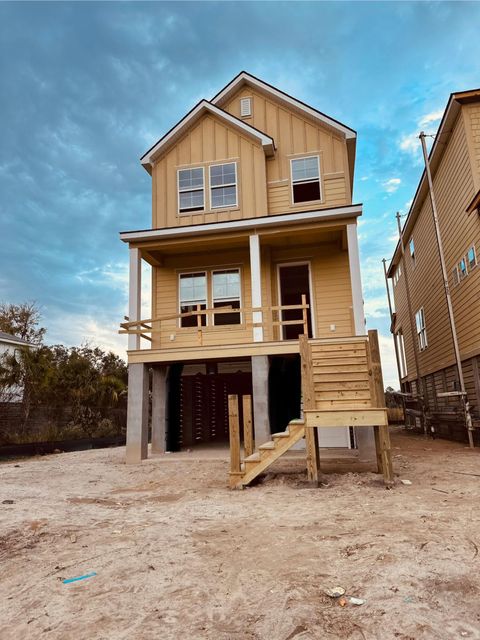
x=208 y=142
x=472 y=123
x=294 y=136
x=454 y=188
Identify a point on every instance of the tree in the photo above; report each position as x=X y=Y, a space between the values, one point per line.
x=22 y=320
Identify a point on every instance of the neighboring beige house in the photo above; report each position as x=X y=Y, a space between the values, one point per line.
x=253 y=242
x=8 y=345
x=424 y=334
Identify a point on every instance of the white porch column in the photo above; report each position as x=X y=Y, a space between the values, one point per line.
x=134 y=295
x=256 y=279
x=355 y=280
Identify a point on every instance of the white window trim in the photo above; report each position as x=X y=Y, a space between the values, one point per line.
x=423 y=330
x=461 y=275
x=218 y=270
x=190 y=213
x=189 y=272
x=303 y=157
x=310 y=284
x=455 y=276
x=413 y=255
x=235 y=184
x=475 y=264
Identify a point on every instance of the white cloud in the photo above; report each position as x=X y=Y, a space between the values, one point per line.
x=410 y=143
x=428 y=118
x=391 y=185
x=363 y=178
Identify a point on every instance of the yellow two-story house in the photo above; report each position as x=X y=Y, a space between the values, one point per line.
x=253 y=242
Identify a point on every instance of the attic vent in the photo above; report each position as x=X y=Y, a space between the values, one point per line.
x=245 y=107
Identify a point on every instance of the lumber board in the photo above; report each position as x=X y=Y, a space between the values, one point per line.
x=363 y=417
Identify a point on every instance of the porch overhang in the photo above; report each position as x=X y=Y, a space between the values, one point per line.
x=255 y=225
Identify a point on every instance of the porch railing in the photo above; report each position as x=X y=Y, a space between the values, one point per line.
x=271 y=317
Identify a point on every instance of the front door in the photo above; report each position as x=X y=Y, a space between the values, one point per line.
x=294 y=280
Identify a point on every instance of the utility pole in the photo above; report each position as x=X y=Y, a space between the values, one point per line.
x=391 y=325
x=412 y=324
x=468 y=417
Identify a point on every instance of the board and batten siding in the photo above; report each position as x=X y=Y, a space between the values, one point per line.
x=210 y=141
x=454 y=189
x=331 y=293
x=296 y=136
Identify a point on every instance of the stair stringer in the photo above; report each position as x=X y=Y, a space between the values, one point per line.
x=296 y=429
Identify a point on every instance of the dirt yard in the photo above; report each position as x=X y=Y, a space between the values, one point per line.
x=177 y=555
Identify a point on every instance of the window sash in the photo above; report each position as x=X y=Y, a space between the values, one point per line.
x=421 y=329
x=191 y=183
x=471 y=257
x=307 y=171
x=224 y=292
x=223 y=191
x=462 y=269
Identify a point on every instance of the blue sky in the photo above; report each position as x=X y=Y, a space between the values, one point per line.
x=86 y=88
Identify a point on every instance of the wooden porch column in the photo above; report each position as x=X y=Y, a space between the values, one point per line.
x=365 y=437
x=256 y=283
x=134 y=295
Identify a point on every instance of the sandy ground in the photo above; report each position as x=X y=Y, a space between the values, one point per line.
x=177 y=555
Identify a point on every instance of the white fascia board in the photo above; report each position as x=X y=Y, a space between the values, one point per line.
x=349 y=211
x=255 y=82
x=266 y=141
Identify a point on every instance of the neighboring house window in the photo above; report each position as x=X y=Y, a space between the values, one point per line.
x=193 y=292
x=412 y=250
x=190 y=190
x=401 y=353
x=397 y=274
x=223 y=185
x=245 y=107
x=226 y=293
x=455 y=277
x=471 y=257
x=462 y=269
x=421 y=330
x=305 y=179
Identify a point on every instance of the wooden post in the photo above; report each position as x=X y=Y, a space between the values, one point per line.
x=234 y=432
x=308 y=394
x=247 y=426
x=199 y=325
x=304 y=314
x=382 y=435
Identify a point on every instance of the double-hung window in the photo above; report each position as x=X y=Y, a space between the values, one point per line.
x=193 y=292
x=305 y=179
x=412 y=250
x=401 y=353
x=223 y=185
x=421 y=329
x=191 y=190
x=462 y=269
x=226 y=293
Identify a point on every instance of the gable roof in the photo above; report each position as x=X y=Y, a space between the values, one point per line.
x=244 y=78
x=440 y=143
x=193 y=116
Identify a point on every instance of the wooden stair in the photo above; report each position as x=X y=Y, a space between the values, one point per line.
x=267 y=453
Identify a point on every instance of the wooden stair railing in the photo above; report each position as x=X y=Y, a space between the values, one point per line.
x=342 y=386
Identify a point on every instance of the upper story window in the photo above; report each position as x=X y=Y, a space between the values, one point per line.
x=397 y=273
x=421 y=329
x=245 y=107
x=226 y=293
x=471 y=257
x=193 y=292
x=412 y=250
x=462 y=269
x=191 y=190
x=305 y=179
x=223 y=185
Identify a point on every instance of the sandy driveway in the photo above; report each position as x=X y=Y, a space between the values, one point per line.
x=177 y=555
